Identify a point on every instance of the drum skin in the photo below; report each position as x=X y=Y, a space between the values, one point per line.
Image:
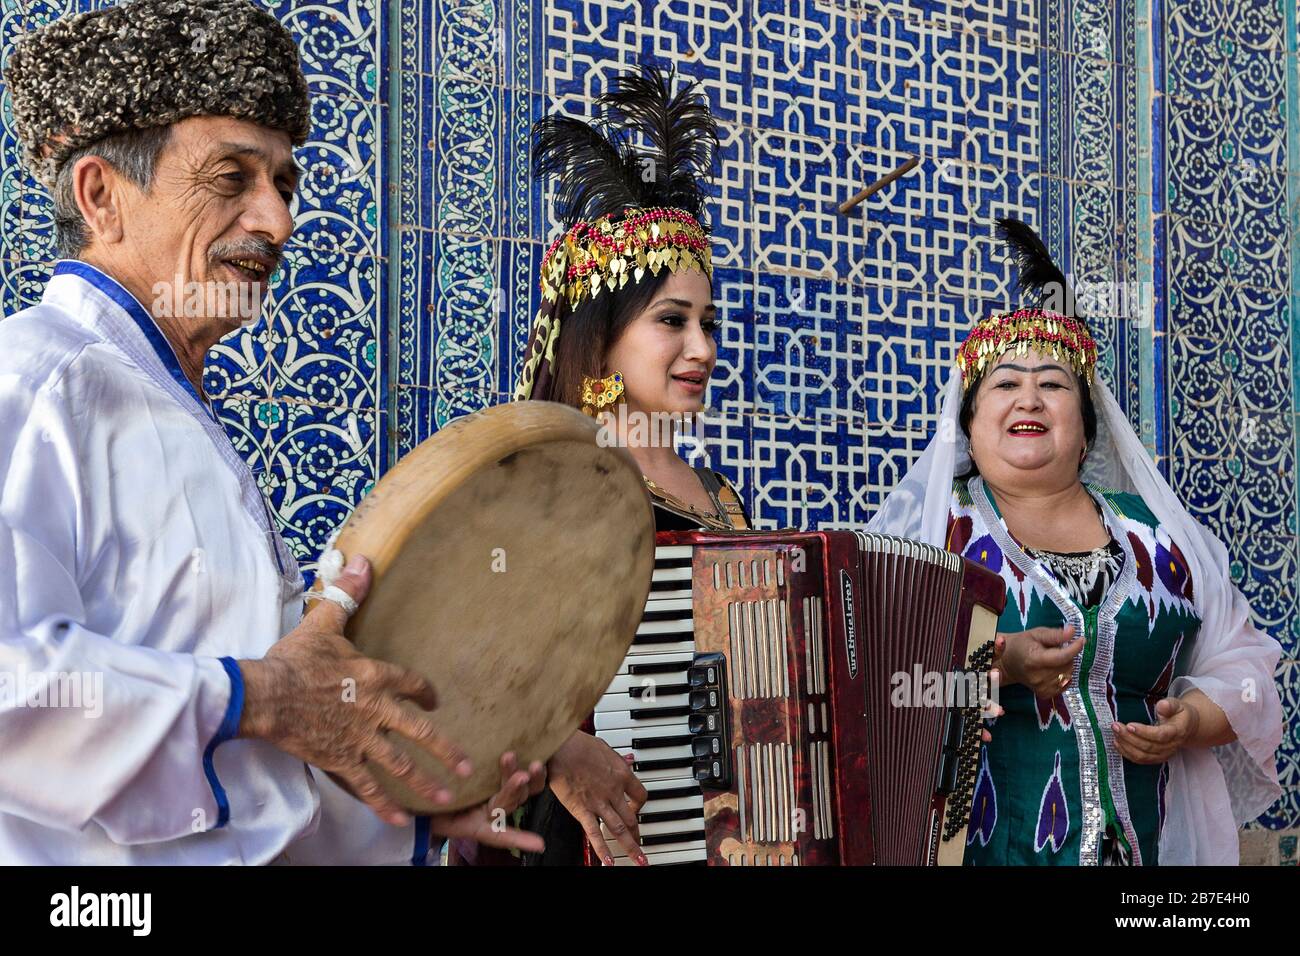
x=512 y=557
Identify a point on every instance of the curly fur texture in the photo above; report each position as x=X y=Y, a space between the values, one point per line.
x=148 y=63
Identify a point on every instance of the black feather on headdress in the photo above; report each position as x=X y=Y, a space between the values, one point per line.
x=602 y=170
x=1037 y=274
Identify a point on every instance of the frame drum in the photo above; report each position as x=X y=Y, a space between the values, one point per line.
x=512 y=557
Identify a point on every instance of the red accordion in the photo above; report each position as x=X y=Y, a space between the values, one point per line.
x=769 y=699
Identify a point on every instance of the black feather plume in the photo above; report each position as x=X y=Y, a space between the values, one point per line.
x=601 y=169
x=1037 y=274
x=680 y=132
x=593 y=172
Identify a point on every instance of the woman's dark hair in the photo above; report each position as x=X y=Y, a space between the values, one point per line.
x=1087 y=408
x=588 y=332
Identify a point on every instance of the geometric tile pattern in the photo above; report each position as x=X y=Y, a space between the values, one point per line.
x=1154 y=146
x=301 y=392
x=1226 y=246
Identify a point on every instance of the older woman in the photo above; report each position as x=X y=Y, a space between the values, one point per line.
x=1141 y=714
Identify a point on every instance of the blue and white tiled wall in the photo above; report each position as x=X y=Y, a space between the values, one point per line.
x=1154 y=143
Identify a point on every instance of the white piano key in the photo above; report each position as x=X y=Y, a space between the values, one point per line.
x=614 y=719
x=667 y=609
x=658 y=753
x=667 y=859
x=683 y=779
x=694 y=825
x=667 y=773
x=671 y=596
x=625 y=701
x=670 y=804
x=682 y=852
x=663 y=603
x=680 y=576
x=622 y=738
x=670 y=646
x=657 y=680
x=674 y=552
x=681 y=626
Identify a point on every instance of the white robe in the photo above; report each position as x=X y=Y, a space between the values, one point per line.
x=138 y=561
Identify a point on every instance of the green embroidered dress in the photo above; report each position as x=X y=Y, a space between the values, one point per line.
x=1052 y=788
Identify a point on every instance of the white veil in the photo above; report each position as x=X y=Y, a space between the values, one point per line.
x=1211 y=792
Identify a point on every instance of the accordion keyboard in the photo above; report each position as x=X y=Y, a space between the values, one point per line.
x=646 y=713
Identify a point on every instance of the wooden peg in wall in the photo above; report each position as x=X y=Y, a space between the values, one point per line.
x=849 y=204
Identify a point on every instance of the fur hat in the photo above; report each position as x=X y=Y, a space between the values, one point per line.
x=148 y=63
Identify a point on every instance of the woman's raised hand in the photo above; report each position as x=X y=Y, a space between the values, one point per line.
x=1041 y=658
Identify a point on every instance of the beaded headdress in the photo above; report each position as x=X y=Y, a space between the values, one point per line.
x=1049 y=333
x=609 y=253
x=629 y=210
x=1059 y=334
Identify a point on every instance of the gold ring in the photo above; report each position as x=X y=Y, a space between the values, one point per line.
x=1062 y=679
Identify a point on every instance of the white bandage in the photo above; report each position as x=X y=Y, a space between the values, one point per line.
x=330 y=565
x=339 y=597
x=328 y=570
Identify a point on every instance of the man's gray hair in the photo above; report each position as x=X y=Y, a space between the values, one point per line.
x=133 y=153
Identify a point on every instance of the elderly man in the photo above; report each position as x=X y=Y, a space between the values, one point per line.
x=165 y=689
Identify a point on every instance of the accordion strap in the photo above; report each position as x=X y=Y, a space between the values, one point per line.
x=724 y=498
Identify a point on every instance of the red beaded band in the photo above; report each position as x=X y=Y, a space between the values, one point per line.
x=1061 y=337
x=607 y=253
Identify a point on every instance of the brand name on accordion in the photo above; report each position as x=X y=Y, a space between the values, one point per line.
x=922 y=688
x=850 y=628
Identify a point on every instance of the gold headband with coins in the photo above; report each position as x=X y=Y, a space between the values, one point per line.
x=1051 y=333
x=630 y=190
x=610 y=253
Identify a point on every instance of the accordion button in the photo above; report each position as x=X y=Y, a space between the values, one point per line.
x=706 y=746
x=704 y=700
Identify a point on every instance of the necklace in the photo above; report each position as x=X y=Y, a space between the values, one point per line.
x=709 y=517
x=1077 y=563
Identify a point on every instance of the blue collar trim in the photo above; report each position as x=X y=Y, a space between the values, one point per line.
x=132 y=307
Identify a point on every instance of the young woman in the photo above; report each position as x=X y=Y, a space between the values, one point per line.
x=627 y=332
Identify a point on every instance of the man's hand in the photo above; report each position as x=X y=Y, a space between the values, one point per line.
x=486 y=823
x=594 y=783
x=1176 y=726
x=316 y=697
x=1041 y=658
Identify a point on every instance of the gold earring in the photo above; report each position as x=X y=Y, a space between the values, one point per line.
x=599 y=393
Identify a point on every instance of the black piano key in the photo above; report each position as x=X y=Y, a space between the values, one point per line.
x=665 y=667
x=649 y=743
x=668 y=637
x=683 y=614
x=663 y=816
x=663 y=690
x=665 y=587
x=662 y=764
x=657 y=839
x=645 y=713
x=672 y=793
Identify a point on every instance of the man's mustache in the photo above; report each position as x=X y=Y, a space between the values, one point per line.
x=253 y=248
